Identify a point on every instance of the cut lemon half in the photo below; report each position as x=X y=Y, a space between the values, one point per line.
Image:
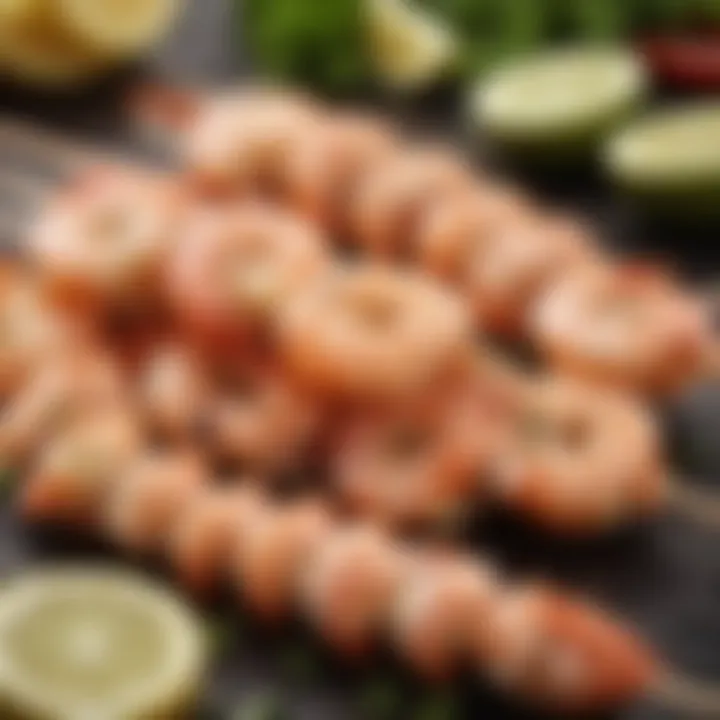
x=38 y=52
x=13 y=11
x=117 y=28
x=560 y=103
x=95 y=644
x=410 y=49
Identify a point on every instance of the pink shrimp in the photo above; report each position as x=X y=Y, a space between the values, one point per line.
x=237 y=266
x=240 y=142
x=580 y=460
x=391 y=202
x=373 y=333
x=630 y=327
x=104 y=239
x=325 y=169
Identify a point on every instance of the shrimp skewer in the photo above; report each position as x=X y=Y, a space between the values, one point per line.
x=442 y=612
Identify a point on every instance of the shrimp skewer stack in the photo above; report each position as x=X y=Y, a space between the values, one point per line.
x=355 y=585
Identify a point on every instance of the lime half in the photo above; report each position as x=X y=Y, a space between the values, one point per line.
x=671 y=158
x=92 y=644
x=559 y=104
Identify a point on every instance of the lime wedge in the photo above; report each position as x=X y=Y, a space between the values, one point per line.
x=410 y=48
x=96 y=644
x=671 y=158
x=560 y=104
x=117 y=28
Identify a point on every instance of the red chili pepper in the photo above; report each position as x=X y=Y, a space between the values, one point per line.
x=685 y=61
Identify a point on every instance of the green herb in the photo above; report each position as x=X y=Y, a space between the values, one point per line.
x=261 y=706
x=439 y=706
x=299 y=663
x=380 y=700
x=316 y=42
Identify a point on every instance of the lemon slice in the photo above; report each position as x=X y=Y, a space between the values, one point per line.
x=410 y=49
x=96 y=644
x=672 y=156
x=36 y=51
x=560 y=103
x=117 y=28
x=13 y=11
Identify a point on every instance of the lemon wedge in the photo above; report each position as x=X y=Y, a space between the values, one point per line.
x=91 y=644
x=33 y=49
x=410 y=49
x=117 y=28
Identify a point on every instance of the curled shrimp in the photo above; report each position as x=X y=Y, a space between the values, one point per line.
x=208 y=531
x=418 y=465
x=274 y=551
x=630 y=327
x=258 y=418
x=240 y=142
x=391 y=201
x=558 y=653
x=145 y=502
x=30 y=329
x=349 y=587
x=505 y=278
x=440 y=601
x=104 y=239
x=75 y=381
x=580 y=460
x=235 y=267
x=77 y=469
x=172 y=390
x=372 y=333
x=325 y=169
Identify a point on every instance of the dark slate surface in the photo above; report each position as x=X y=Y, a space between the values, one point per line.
x=665 y=576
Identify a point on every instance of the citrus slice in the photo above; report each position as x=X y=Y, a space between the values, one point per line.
x=13 y=11
x=559 y=104
x=117 y=28
x=410 y=48
x=92 y=644
x=672 y=157
x=36 y=51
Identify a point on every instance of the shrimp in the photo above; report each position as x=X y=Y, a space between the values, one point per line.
x=274 y=551
x=505 y=278
x=580 y=460
x=258 y=418
x=438 y=604
x=393 y=199
x=104 y=240
x=349 y=587
x=173 y=390
x=461 y=225
x=77 y=469
x=30 y=329
x=149 y=495
x=325 y=169
x=78 y=380
x=207 y=532
x=418 y=465
x=236 y=267
x=630 y=327
x=239 y=142
x=372 y=333
x=558 y=653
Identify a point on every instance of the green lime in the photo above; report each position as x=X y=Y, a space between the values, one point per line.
x=559 y=105
x=671 y=159
x=96 y=644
